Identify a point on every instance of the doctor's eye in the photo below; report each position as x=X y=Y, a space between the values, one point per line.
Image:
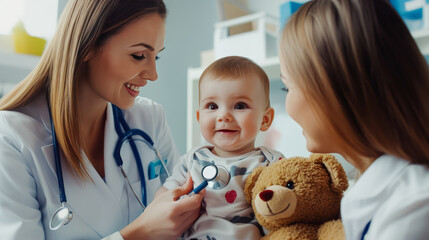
x=156 y=57
x=240 y=105
x=138 y=57
x=285 y=89
x=290 y=185
x=212 y=106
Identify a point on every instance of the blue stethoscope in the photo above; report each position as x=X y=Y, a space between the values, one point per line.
x=64 y=215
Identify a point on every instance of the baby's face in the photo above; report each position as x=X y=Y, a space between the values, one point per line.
x=231 y=113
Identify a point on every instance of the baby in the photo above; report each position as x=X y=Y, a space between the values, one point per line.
x=234 y=106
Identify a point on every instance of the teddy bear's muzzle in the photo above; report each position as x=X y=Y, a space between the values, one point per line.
x=276 y=202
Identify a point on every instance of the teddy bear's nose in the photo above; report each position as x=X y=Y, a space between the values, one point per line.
x=266 y=195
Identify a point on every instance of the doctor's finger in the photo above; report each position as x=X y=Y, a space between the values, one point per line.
x=184 y=189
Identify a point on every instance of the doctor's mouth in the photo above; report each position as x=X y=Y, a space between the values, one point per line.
x=134 y=90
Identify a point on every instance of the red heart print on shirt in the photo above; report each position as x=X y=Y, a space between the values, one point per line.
x=230 y=196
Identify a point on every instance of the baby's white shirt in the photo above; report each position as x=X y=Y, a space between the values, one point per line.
x=227 y=215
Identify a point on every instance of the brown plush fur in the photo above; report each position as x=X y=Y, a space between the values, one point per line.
x=311 y=209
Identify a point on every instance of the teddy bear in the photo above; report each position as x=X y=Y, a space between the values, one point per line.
x=299 y=198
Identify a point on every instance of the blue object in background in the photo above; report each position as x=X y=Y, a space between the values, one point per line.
x=414 y=18
x=287 y=9
x=427 y=58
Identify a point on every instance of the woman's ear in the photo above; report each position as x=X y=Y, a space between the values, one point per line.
x=89 y=56
x=267 y=119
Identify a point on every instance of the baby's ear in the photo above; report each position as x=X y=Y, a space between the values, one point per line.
x=250 y=183
x=198 y=115
x=267 y=119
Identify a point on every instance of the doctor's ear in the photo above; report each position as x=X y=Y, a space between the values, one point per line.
x=267 y=119
x=89 y=56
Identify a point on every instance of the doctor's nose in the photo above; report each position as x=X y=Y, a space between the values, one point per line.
x=149 y=72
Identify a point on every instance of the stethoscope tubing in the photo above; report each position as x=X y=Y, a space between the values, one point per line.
x=58 y=168
x=120 y=123
x=127 y=135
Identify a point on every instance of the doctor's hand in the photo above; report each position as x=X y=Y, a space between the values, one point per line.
x=166 y=217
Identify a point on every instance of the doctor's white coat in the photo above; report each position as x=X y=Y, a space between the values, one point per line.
x=29 y=193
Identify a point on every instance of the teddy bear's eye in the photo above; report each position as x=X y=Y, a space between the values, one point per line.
x=290 y=185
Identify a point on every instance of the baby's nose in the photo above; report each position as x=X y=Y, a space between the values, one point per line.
x=224 y=117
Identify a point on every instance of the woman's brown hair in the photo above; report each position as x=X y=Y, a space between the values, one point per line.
x=363 y=74
x=83 y=27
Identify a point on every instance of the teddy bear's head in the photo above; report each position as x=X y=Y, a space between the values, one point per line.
x=297 y=190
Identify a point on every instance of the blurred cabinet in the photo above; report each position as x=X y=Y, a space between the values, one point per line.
x=422 y=39
x=13 y=68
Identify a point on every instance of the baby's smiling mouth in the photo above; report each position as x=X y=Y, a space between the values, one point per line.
x=226 y=131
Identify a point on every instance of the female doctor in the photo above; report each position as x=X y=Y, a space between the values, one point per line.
x=359 y=86
x=65 y=152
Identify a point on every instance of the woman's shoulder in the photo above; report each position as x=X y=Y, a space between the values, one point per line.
x=410 y=185
x=17 y=121
x=24 y=122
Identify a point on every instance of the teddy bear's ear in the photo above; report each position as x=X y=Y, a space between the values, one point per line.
x=250 y=183
x=336 y=171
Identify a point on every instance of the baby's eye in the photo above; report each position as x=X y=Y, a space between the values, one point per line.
x=138 y=57
x=212 y=106
x=240 y=106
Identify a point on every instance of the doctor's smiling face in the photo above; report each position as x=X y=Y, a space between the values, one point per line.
x=232 y=112
x=125 y=62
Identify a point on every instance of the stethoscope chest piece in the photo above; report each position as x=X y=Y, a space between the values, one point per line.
x=61 y=217
x=221 y=178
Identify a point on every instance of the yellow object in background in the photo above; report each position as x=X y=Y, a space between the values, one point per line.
x=26 y=44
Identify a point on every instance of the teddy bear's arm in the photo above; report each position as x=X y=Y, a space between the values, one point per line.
x=294 y=232
x=332 y=230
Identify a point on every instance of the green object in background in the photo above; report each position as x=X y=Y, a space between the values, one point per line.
x=26 y=44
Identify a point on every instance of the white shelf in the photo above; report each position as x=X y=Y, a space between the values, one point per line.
x=15 y=67
x=16 y=60
x=422 y=39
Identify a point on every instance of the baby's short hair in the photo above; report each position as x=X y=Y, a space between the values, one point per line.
x=235 y=67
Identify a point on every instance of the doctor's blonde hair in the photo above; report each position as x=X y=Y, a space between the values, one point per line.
x=83 y=27
x=363 y=74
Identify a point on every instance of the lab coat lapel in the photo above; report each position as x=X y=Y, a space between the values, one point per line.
x=90 y=201
x=93 y=201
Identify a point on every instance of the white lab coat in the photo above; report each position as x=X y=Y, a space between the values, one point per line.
x=28 y=182
x=394 y=194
